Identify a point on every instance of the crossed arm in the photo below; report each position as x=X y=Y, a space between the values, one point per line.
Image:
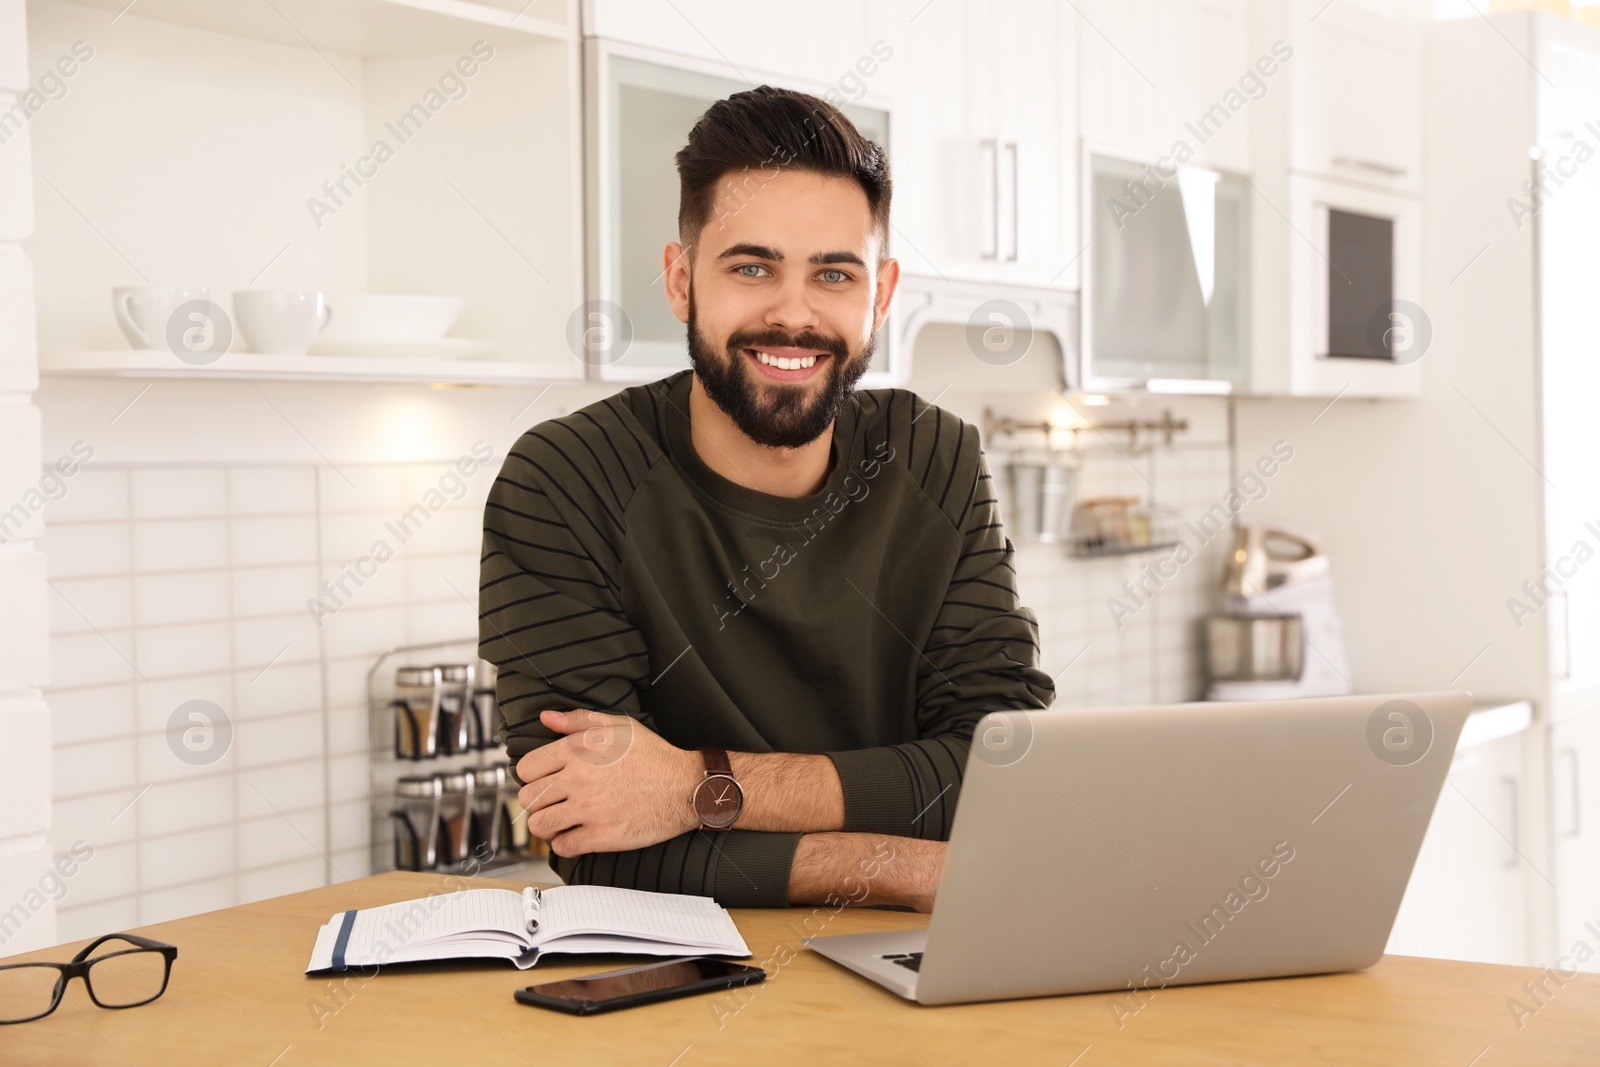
x=612 y=785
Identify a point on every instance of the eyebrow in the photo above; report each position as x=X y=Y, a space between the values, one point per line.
x=774 y=256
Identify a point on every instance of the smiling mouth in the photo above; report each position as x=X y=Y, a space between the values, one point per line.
x=787 y=364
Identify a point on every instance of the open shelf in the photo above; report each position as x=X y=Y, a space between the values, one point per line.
x=348 y=146
x=360 y=28
x=249 y=366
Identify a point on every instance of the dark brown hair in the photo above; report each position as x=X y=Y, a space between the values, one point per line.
x=753 y=135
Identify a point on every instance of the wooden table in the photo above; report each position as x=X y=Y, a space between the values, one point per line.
x=239 y=996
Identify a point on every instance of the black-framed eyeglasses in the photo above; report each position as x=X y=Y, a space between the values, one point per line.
x=118 y=978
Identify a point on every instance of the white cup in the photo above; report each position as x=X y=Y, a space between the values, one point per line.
x=143 y=311
x=280 y=322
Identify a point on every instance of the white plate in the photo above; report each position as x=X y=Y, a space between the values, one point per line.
x=440 y=348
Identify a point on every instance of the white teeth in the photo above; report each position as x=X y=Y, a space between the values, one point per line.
x=784 y=363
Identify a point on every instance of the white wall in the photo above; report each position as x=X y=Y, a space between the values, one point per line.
x=28 y=886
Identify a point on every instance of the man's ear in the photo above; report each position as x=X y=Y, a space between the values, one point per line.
x=888 y=281
x=676 y=262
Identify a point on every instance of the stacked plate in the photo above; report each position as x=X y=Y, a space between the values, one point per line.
x=392 y=324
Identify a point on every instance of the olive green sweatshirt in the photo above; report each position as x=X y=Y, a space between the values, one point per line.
x=875 y=621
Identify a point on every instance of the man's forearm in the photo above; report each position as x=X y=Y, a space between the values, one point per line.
x=788 y=792
x=866 y=869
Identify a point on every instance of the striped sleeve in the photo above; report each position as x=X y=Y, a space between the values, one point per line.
x=551 y=620
x=981 y=655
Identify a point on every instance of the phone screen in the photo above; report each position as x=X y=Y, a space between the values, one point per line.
x=650 y=978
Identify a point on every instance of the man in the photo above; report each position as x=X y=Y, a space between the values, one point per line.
x=750 y=558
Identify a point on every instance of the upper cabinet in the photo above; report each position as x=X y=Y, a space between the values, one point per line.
x=1172 y=77
x=985 y=148
x=1167 y=282
x=1336 y=179
x=1357 y=95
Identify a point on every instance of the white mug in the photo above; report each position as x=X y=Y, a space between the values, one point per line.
x=143 y=311
x=280 y=322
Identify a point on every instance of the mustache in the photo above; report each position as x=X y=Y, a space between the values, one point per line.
x=775 y=338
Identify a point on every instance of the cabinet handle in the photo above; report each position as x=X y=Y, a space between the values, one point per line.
x=1016 y=229
x=1515 y=856
x=1370 y=164
x=991 y=242
x=1577 y=811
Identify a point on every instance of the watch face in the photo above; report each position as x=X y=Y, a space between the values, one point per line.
x=718 y=800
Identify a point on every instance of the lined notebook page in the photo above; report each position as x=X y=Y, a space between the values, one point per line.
x=634 y=912
x=426 y=919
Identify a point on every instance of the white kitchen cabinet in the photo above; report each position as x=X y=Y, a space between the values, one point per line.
x=1166 y=277
x=1355 y=269
x=1022 y=89
x=1154 y=74
x=1575 y=795
x=1469 y=891
x=937 y=211
x=985 y=184
x=1357 y=77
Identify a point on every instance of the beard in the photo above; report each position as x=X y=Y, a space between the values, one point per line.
x=774 y=414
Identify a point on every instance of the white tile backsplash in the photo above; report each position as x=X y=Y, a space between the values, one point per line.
x=266 y=540
x=93 y=495
x=85 y=549
x=285 y=688
x=196 y=804
x=189 y=856
x=180 y=545
x=83 y=605
x=178 y=493
x=190 y=648
x=281 y=590
x=366 y=488
x=91 y=713
x=200 y=578
x=185 y=596
x=272 y=491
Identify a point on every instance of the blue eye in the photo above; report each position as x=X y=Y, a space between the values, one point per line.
x=835 y=276
x=749 y=270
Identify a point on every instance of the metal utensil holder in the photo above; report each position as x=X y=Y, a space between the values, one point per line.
x=406 y=744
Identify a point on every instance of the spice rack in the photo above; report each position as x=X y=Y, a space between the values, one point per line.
x=442 y=794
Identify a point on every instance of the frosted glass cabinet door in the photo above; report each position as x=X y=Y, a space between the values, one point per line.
x=642 y=112
x=1166 y=278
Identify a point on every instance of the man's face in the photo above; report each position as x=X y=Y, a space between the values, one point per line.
x=782 y=296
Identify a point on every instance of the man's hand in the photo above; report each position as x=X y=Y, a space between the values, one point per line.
x=610 y=785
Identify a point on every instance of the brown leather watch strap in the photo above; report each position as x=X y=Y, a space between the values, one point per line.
x=717 y=761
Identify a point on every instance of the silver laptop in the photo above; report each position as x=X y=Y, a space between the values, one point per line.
x=1135 y=848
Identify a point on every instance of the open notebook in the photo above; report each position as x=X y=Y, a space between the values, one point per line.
x=521 y=926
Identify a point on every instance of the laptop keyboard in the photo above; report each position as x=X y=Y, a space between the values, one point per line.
x=910 y=960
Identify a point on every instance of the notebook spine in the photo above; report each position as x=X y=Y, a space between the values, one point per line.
x=530 y=907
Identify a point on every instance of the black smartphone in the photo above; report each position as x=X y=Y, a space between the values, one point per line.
x=647 y=984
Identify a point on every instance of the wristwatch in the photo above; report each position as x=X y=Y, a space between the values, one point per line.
x=718 y=799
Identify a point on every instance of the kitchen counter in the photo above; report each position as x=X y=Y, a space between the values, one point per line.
x=239 y=995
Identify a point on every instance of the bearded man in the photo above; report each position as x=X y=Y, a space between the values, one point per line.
x=746 y=617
